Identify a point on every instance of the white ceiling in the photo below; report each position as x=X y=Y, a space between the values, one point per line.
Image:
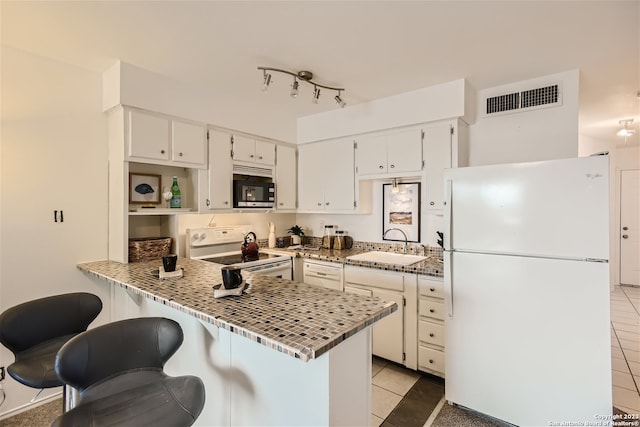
x=372 y=48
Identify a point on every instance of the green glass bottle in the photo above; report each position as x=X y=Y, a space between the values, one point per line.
x=176 y=196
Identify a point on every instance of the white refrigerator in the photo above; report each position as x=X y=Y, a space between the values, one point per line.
x=527 y=291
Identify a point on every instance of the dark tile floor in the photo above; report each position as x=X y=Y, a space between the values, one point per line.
x=417 y=405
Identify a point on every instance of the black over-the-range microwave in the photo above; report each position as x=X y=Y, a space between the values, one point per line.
x=253 y=191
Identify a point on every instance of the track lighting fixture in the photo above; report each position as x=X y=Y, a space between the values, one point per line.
x=302 y=76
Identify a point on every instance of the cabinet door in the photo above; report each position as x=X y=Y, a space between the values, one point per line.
x=372 y=155
x=149 y=136
x=286 y=177
x=244 y=149
x=388 y=333
x=312 y=171
x=437 y=158
x=338 y=175
x=265 y=153
x=219 y=170
x=404 y=151
x=189 y=143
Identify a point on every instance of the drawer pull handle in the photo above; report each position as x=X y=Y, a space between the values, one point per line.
x=431 y=310
x=431 y=334
x=430 y=360
x=432 y=289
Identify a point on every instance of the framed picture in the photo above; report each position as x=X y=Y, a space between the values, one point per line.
x=145 y=188
x=401 y=210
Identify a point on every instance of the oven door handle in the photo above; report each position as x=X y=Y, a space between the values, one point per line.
x=281 y=266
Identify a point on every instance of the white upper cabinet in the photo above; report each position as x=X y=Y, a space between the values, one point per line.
x=285 y=177
x=219 y=195
x=251 y=150
x=149 y=136
x=390 y=154
x=158 y=139
x=444 y=146
x=326 y=177
x=189 y=142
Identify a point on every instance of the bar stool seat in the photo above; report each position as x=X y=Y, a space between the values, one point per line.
x=34 y=331
x=117 y=370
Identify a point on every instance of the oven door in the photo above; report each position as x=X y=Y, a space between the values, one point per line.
x=281 y=269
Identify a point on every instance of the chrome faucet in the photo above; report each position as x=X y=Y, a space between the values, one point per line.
x=404 y=249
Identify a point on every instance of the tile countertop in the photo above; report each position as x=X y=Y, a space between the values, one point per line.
x=432 y=266
x=293 y=318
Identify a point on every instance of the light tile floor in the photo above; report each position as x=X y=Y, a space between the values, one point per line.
x=389 y=384
x=625 y=348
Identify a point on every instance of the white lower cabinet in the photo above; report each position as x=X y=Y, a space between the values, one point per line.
x=393 y=337
x=431 y=333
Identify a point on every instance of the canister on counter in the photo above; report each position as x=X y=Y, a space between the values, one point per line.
x=338 y=240
x=327 y=239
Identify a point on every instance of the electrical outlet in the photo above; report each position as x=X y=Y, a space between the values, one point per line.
x=321 y=228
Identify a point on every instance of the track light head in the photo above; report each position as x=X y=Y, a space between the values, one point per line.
x=339 y=100
x=267 y=81
x=294 y=88
x=316 y=94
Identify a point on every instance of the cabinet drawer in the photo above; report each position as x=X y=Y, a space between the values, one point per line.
x=431 y=359
x=431 y=288
x=431 y=333
x=374 y=278
x=430 y=308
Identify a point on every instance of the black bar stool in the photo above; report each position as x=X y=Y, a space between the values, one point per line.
x=35 y=330
x=117 y=370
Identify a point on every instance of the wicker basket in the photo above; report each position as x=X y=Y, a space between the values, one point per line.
x=149 y=248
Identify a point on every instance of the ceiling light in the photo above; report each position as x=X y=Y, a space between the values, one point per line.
x=267 y=81
x=625 y=131
x=302 y=76
x=294 y=88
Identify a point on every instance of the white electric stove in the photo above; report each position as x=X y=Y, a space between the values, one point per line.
x=221 y=245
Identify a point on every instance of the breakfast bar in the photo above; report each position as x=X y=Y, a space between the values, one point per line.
x=282 y=353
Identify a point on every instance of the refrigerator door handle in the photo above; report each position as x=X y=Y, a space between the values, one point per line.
x=448 y=282
x=448 y=219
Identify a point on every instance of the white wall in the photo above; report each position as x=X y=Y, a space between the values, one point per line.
x=136 y=87
x=429 y=104
x=545 y=134
x=54 y=157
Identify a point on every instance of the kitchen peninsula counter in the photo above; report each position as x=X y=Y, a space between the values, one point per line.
x=283 y=353
x=293 y=318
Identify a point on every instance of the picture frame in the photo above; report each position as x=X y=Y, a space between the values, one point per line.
x=145 y=188
x=401 y=210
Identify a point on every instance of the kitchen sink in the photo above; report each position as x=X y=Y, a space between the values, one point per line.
x=387 y=258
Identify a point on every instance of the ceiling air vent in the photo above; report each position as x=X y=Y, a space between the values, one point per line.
x=530 y=99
